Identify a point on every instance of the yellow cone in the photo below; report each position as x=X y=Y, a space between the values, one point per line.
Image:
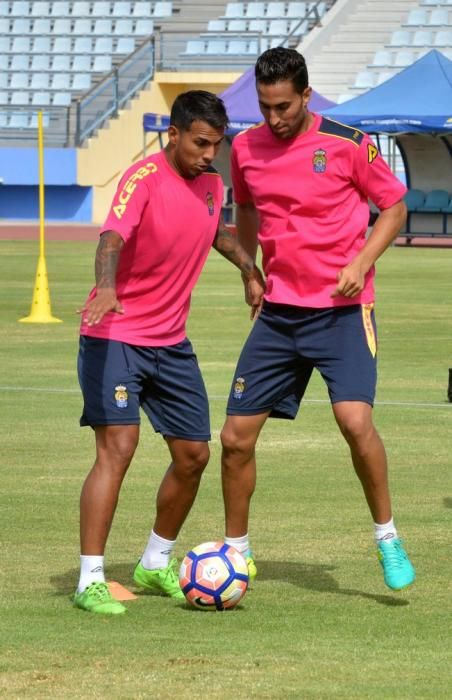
x=40 y=311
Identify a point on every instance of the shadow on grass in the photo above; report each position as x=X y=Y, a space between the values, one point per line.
x=316 y=577
x=447 y=502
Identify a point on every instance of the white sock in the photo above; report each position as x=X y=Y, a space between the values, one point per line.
x=241 y=544
x=385 y=531
x=157 y=553
x=91 y=570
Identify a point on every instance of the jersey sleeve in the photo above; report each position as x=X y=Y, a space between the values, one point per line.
x=239 y=187
x=127 y=206
x=374 y=177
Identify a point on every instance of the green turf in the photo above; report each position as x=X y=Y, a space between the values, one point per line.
x=319 y=622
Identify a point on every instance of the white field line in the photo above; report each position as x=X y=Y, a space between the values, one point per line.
x=213 y=397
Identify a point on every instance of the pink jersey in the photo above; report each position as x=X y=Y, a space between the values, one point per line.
x=311 y=193
x=168 y=224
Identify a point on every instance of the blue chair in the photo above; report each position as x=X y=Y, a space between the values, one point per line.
x=141 y=9
x=101 y=9
x=82 y=63
x=275 y=10
x=82 y=27
x=163 y=9
x=41 y=98
x=20 y=8
x=144 y=27
x=80 y=8
x=235 y=9
x=41 y=44
x=40 y=62
x=121 y=9
x=62 y=44
x=81 y=82
x=20 y=98
x=102 y=64
x=414 y=199
x=40 y=81
x=61 y=99
x=40 y=9
x=103 y=44
x=62 y=62
x=435 y=201
x=18 y=120
x=41 y=26
x=254 y=10
x=296 y=10
x=19 y=62
x=62 y=26
x=103 y=26
x=125 y=45
x=60 y=8
x=123 y=27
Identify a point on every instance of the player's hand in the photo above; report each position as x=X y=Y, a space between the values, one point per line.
x=350 y=281
x=254 y=292
x=104 y=301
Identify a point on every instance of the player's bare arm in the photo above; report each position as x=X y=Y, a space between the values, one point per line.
x=229 y=247
x=351 y=278
x=106 y=265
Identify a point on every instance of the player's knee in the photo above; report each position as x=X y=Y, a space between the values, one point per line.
x=357 y=429
x=118 y=452
x=193 y=459
x=236 y=444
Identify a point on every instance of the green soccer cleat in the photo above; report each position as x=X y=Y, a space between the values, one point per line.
x=398 y=570
x=96 y=598
x=252 y=569
x=163 y=581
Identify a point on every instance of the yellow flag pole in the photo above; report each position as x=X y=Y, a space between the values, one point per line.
x=40 y=311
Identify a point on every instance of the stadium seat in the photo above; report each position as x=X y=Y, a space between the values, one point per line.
x=439 y=17
x=163 y=9
x=123 y=27
x=40 y=9
x=401 y=37
x=82 y=63
x=258 y=25
x=62 y=62
x=404 y=57
x=4 y=64
x=83 y=44
x=39 y=81
x=21 y=26
x=275 y=10
x=141 y=9
x=435 y=201
x=61 y=99
x=20 y=8
x=4 y=25
x=448 y=209
x=4 y=8
x=414 y=199
x=103 y=26
x=18 y=120
x=277 y=27
x=18 y=80
x=21 y=44
x=216 y=47
x=216 y=25
x=365 y=79
x=41 y=44
x=40 y=62
x=125 y=45
x=59 y=8
x=101 y=9
x=4 y=81
x=4 y=44
x=253 y=47
x=103 y=44
x=254 y=10
x=19 y=98
x=19 y=62
x=102 y=64
x=195 y=47
x=296 y=10
x=235 y=9
x=417 y=17
x=422 y=37
x=62 y=26
x=298 y=28
x=82 y=27
x=60 y=81
x=41 y=26
x=121 y=9
x=144 y=27
x=237 y=47
x=382 y=58
x=443 y=38
x=237 y=25
x=81 y=82
x=34 y=120
x=41 y=98
x=80 y=8
x=4 y=97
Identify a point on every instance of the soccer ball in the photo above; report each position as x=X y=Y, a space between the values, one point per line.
x=213 y=576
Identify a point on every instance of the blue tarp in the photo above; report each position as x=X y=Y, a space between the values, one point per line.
x=241 y=105
x=416 y=100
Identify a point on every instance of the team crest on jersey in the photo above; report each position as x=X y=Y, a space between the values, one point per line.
x=210 y=203
x=121 y=396
x=372 y=152
x=319 y=161
x=239 y=388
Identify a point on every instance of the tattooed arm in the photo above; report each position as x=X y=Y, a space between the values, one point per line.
x=229 y=247
x=106 y=265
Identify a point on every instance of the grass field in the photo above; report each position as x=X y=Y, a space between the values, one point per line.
x=319 y=622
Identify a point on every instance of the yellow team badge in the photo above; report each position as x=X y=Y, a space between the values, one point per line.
x=372 y=152
x=121 y=396
x=210 y=203
x=319 y=161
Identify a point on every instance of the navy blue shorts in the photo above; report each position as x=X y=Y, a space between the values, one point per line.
x=117 y=378
x=288 y=342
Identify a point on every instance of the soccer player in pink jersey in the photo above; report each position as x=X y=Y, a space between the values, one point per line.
x=164 y=219
x=301 y=184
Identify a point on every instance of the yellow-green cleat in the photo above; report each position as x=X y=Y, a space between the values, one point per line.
x=397 y=569
x=252 y=569
x=96 y=598
x=163 y=581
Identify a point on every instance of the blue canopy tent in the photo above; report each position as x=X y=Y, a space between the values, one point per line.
x=416 y=100
x=414 y=108
x=241 y=104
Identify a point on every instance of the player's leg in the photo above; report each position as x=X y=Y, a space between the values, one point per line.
x=111 y=408
x=178 y=408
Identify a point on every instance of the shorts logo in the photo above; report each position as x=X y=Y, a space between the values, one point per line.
x=210 y=203
x=319 y=161
x=366 y=310
x=239 y=388
x=121 y=396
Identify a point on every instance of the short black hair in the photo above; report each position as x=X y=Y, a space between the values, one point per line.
x=198 y=105
x=278 y=64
